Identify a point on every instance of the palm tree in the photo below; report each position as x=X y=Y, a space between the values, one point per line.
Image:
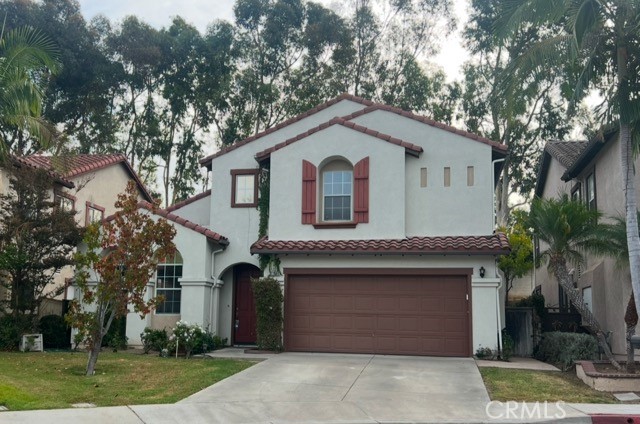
x=599 y=38
x=569 y=230
x=26 y=59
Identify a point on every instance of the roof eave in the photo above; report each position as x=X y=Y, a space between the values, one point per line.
x=381 y=253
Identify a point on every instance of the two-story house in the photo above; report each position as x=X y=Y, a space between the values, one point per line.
x=589 y=171
x=382 y=223
x=88 y=184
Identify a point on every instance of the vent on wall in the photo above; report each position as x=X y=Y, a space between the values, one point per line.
x=447 y=176
x=423 y=177
x=470 y=176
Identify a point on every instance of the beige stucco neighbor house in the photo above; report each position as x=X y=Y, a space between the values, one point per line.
x=382 y=222
x=86 y=183
x=589 y=171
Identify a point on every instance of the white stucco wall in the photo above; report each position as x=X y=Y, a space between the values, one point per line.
x=386 y=185
x=198 y=211
x=241 y=224
x=436 y=209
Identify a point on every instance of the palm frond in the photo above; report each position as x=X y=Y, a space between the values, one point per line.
x=514 y=14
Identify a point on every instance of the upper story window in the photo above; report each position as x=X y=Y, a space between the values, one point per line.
x=591 y=190
x=576 y=193
x=244 y=188
x=64 y=201
x=168 y=285
x=337 y=191
x=94 y=213
x=336 y=194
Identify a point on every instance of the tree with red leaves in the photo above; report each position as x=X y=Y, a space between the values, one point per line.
x=118 y=259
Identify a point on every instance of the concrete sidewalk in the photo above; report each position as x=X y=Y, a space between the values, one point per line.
x=307 y=413
x=331 y=389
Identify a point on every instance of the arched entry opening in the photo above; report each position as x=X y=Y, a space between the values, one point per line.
x=244 y=308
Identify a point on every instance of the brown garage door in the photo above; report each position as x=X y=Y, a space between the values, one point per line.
x=386 y=314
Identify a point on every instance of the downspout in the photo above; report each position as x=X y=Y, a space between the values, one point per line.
x=493 y=227
x=213 y=288
x=498 y=318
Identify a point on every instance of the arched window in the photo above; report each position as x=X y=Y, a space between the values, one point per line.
x=167 y=284
x=336 y=195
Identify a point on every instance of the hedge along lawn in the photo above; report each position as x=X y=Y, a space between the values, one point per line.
x=506 y=384
x=56 y=380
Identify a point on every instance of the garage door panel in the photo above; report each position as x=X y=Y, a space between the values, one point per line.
x=342 y=322
x=402 y=314
x=387 y=323
x=431 y=303
x=343 y=303
x=321 y=323
x=365 y=303
x=364 y=323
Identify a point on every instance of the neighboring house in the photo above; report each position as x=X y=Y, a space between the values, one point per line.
x=589 y=172
x=87 y=184
x=382 y=222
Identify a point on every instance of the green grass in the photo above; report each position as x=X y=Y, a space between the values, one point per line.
x=532 y=386
x=56 y=380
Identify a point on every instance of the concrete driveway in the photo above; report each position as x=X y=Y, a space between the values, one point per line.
x=293 y=387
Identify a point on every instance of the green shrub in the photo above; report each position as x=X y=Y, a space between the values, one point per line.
x=508 y=346
x=55 y=332
x=116 y=337
x=563 y=349
x=485 y=353
x=11 y=330
x=206 y=342
x=192 y=339
x=155 y=340
x=268 y=299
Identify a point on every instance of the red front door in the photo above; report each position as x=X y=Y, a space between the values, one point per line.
x=244 y=330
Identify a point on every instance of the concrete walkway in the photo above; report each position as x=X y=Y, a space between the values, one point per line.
x=518 y=363
x=333 y=389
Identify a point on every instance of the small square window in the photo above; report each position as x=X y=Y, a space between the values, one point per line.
x=244 y=190
x=94 y=213
x=65 y=203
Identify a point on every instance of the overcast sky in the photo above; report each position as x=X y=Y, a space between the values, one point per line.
x=202 y=12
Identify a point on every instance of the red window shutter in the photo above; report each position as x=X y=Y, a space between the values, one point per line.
x=309 y=195
x=361 y=191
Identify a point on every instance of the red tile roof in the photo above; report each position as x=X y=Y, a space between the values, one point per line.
x=73 y=166
x=185 y=223
x=409 y=147
x=189 y=201
x=496 y=244
x=207 y=161
x=179 y=220
x=370 y=107
x=498 y=147
x=21 y=161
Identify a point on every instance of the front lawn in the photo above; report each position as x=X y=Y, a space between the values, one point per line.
x=56 y=380
x=506 y=384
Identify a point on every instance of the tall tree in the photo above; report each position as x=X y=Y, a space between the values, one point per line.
x=122 y=254
x=37 y=240
x=519 y=261
x=521 y=122
x=599 y=39
x=79 y=98
x=27 y=57
x=569 y=230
